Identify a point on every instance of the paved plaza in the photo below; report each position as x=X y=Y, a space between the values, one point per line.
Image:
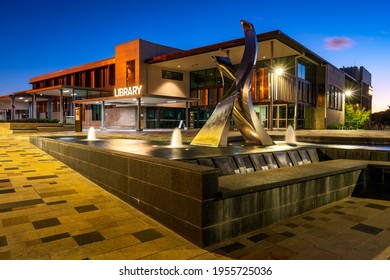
x=49 y=211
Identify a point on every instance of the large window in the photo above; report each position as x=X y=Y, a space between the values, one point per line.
x=130 y=73
x=205 y=78
x=164 y=117
x=262 y=113
x=96 y=112
x=334 y=98
x=171 y=75
x=260 y=89
x=301 y=71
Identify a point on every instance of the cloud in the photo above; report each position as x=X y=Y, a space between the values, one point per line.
x=338 y=43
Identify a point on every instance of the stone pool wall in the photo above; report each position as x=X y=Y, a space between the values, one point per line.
x=198 y=203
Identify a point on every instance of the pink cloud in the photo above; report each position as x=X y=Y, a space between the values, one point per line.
x=338 y=43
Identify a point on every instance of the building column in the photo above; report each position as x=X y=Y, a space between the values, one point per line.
x=103 y=116
x=30 y=110
x=34 y=106
x=271 y=89
x=138 y=117
x=296 y=104
x=13 y=108
x=49 y=108
x=187 y=120
x=72 y=106
x=61 y=106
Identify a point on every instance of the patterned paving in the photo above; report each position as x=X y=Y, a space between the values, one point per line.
x=48 y=211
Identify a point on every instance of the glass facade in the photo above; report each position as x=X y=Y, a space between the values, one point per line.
x=164 y=117
x=294 y=85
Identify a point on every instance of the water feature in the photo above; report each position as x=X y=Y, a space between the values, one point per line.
x=290 y=136
x=176 y=139
x=91 y=134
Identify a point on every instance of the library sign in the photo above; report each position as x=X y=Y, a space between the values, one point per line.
x=126 y=91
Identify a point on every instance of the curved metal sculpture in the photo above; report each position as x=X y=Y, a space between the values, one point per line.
x=236 y=100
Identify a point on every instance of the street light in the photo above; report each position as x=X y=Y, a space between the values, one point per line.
x=279 y=71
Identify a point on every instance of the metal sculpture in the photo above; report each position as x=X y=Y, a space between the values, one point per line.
x=236 y=100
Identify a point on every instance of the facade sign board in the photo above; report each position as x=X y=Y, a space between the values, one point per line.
x=135 y=90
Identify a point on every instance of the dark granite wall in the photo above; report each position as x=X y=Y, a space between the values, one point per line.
x=206 y=209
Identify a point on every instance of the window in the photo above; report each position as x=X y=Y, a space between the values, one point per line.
x=301 y=71
x=205 y=78
x=130 y=73
x=334 y=98
x=166 y=74
x=96 y=112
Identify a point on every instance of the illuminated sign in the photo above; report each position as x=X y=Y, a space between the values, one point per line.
x=135 y=90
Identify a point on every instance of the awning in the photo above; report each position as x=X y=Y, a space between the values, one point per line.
x=132 y=100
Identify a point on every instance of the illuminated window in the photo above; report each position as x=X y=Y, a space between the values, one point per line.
x=301 y=71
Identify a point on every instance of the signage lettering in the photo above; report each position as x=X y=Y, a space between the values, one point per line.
x=135 y=90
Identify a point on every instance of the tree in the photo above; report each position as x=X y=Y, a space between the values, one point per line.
x=356 y=117
x=381 y=119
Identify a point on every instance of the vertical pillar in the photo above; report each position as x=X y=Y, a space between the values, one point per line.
x=13 y=115
x=49 y=107
x=271 y=88
x=187 y=116
x=34 y=106
x=138 y=120
x=30 y=113
x=61 y=106
x=296 y=104
x=103 y=115
x=72 y=105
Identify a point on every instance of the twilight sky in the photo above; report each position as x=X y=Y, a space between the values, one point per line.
x=38 y=37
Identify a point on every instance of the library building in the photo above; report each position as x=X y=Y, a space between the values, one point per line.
x=147 y=85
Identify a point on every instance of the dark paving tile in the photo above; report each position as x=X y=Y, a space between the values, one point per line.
x=291 y=225
x=56 y=202
x=232 y=247
x=55 y=237
x=11 y=168
x=258 y=237
x=308 y=218
x=147 y=235
x=59 y=193
x=4 y=181
x=350 y=202
x=3 y=241
x=89 y=237
x=288 y=234
x=367 y=229
x=7 y=191
x=86 y=208
x=41 y=177
x=22 y=203
x=325 y=219
x=376 y=206
x=46 y=223
x=339 y=212
x=27 y=186
x=53 y=183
